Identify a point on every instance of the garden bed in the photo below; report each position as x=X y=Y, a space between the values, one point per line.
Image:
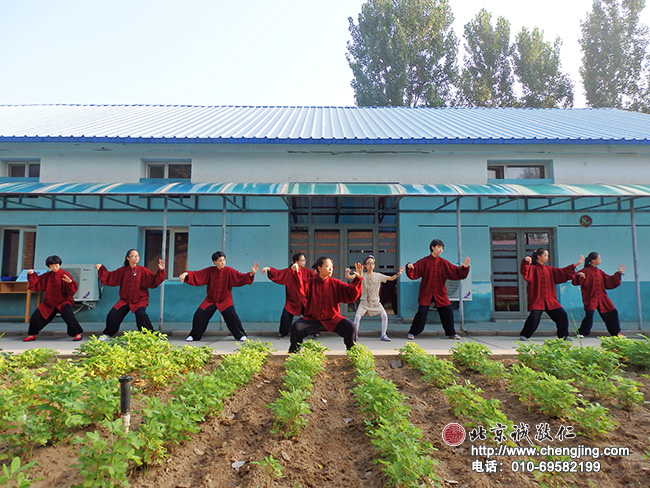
x=237 y=446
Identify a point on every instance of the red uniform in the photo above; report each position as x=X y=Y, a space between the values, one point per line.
x=541 y=281
x=57 y=292
x=324 y=296
x=593 y=286
x=295 y=298
x=434 y=273
x=133 y=283
x=220 y=283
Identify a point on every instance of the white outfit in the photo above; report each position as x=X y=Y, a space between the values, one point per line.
x=369 y=303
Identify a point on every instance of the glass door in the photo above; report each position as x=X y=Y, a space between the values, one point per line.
x=509 y=247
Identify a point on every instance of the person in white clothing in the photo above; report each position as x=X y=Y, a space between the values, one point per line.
x=369 y=303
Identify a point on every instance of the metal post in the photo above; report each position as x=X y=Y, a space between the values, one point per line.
x=461 y=308
x=637 y=283
x=223 y=244
x=125 y=401
x=164 y=254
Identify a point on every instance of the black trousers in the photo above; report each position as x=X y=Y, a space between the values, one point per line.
x=202 y=317
x=285 y=322
x=301 y=328
x=610 y=318
x=116 y=316
x=558 y=315
x=446 y=314
x=37 y=322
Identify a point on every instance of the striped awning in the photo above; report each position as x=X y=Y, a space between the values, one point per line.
x=152 y=189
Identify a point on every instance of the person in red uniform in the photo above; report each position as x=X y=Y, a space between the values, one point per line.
x=295 y=298
x=541 y=281
x=324 y=294
x=593 y=282
x=220 y=280
x=134 y=282
x=59 y=288
x=435 y=271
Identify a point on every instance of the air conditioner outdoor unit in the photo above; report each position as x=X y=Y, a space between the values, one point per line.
x=86 y=276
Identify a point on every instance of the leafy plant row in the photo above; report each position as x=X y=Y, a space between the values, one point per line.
x=405 y=457
x=291 y=408
x=592 y=368
x=105 y=461
x=42 y=405
x=635 y=352
x=465 y=399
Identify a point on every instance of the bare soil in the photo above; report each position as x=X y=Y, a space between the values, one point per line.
x=334 y=450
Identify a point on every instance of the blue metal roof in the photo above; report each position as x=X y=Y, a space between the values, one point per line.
x=319 y=125
x=322 y=189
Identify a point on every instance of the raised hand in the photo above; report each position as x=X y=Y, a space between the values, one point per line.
x=528 y=259
x=466 y=262
x=622 y=268
x=67 y=279
x=265 y=269
x=161 y=264
x=358 y=270
x=183 y=277
x=254 y=268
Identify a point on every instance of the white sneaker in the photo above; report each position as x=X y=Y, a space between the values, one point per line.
x=104 y=338
x=189 y=339
x=243 y=339
x=580 y=336
x=524 y=338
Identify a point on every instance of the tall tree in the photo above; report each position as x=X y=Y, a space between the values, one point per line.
x=487 y=79
x=537 y=68
x=403 y=52
x=614 y=47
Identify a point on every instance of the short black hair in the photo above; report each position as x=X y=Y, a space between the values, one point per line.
x=296 y=257
x=53 y=260
x=218 y=255
x=436 y=242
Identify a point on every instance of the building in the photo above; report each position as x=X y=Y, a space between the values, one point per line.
x=89 y=182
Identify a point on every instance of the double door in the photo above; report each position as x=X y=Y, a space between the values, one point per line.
x=349 y=244
x=509 y=247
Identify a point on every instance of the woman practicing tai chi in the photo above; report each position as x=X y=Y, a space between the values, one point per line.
x=435 y=272
x=220 y=280
x=541 y=281
x=295 y=300
x=134 y=281
x=59 y=288
x=593 y=282
x=370 y=303
x=324 y=294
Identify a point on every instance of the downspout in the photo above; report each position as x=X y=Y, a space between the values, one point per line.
x=223 y=244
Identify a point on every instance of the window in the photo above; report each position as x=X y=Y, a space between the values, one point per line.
x=21 y=169
x=17 y=250
x=175 y=170
x=177 y=240
x=537 y=170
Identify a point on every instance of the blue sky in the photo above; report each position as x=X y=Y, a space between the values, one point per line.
x=214 y=52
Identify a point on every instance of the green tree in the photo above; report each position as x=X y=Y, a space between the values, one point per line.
x=487 y=78
x=403 y=52
x=614 y=47
x=537 y=68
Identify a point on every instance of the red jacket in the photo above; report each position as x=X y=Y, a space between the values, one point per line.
x=57 y=292
x=541 y=281
x=220 y=284
x=295 y=298
x=593 y=287
x=133 y=283
x=434 y=273
x=323 y=298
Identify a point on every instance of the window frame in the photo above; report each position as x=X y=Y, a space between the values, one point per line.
x=35 y=163
x=171 y=249
x=166 y=164
x=500 y=167
x=20 y=250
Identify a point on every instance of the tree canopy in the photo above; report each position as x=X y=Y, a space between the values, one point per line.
x=403 y=52
x=614 y=46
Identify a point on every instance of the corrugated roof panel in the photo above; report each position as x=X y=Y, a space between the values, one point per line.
x=331 y=125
